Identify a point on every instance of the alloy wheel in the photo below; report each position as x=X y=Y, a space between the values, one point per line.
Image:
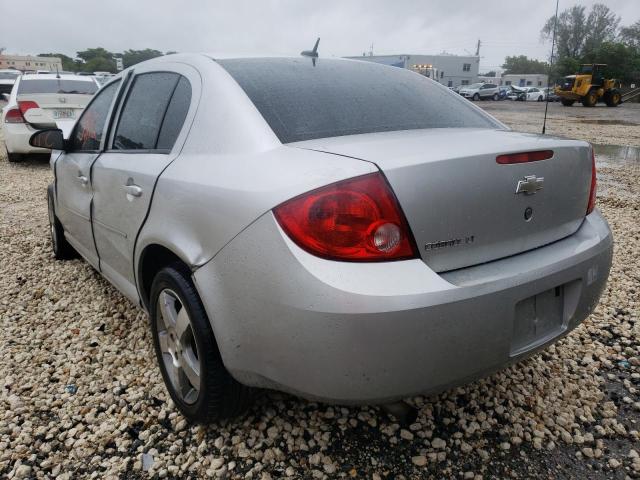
x=178 y=346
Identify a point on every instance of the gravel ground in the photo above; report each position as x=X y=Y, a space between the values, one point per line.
x=81 y=395
x=602 y=125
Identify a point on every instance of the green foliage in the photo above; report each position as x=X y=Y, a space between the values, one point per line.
x=68 y=63
x=91 y=53
x=631 y=35
x=593 y=38
x=521 y=64
x=490 y=73
x=131 y=57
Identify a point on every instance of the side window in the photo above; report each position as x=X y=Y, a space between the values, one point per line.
x=176 y=113
x=141 y=117
x=87 y=133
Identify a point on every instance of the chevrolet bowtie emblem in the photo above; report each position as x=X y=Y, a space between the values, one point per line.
x=530 y=185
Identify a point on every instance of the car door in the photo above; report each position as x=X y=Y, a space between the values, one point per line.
x=142 y=144
x=73 y=182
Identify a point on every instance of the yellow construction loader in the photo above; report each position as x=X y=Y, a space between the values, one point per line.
x=589 y=87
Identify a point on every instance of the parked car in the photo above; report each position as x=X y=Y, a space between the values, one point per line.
x=7 y=79
x=517 y=93
x=281 y=234
x=551 y=94
x=535 y=94
x=42 y=100
x=480 y=91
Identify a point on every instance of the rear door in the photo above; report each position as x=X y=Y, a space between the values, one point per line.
x=146 y=138
x=73 y=173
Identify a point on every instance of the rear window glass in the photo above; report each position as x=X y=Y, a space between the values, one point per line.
x=8 y=76
x=143 y=112
x=54 y=85
x=301 y=101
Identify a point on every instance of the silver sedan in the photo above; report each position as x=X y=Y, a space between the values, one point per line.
x=341 y=230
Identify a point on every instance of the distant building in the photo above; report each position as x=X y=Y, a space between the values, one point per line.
x=27 y=63
x=449 y=70
x=525 y=79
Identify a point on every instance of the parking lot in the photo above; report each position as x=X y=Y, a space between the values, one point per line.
x=81 y=393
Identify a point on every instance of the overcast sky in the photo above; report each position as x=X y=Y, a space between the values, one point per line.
x=347 y=27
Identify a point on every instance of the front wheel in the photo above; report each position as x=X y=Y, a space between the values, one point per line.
x=476 y=97
x=612 y=99
x=187 y=351
x=495 y=97
x=62 y=249
x=567 y=103
x=13 y=157
x=540 y=99
x=590 y=99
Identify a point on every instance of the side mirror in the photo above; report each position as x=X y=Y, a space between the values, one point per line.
x=39 y=118
x=51 y=138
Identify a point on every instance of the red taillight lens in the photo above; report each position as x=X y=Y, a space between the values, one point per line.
x=594 y=184
x=13 y=116
x=27 y=105
x=356 y=220
x=524 y=157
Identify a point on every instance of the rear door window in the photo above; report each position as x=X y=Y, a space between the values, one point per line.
x=87 y=133
x=54 y=85
x=141 y=119
x=176 y=113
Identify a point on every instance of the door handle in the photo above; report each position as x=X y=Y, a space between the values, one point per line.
x=133 y=190
x=84 y=181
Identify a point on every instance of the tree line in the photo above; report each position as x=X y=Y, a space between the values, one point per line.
x=101 y=60
x=582 y=36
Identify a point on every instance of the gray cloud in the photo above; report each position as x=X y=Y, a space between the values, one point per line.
x=285 y=27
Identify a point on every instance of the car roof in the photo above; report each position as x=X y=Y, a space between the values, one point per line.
x=47 y=76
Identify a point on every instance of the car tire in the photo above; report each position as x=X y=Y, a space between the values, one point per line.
x=187 y=352
x=567 y=103
x=476 y=97
x=495 y=97
x=590 y=99
x=62 y=249
x=612 y=98
x=14 y=157
x=540 y=98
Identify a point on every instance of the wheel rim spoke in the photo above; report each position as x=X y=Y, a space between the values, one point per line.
x=191 y=368
x=177 y=346
x=163 y=341
x=168 y=309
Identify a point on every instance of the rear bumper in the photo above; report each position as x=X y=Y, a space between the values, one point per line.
x=353 y=333
x=16 y=138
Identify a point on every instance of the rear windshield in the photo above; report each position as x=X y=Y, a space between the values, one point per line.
x=54 y=85
x=301 y=101
x=8 y=76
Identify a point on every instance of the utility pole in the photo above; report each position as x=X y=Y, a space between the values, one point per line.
x=478 y=49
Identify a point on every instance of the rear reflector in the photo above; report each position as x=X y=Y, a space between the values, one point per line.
x=14 y=116
x=524 y=157
x=357 y=220
x=27 y=105
x=594 y=184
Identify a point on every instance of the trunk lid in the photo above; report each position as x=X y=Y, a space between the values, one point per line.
x=461 y=204
x=59 y=106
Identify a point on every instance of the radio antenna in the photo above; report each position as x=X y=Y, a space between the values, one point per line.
x=553 y=43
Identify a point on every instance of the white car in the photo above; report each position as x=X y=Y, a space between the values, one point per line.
x=479 y=91
x=40 y=101
x=527 y=94
x=7 y=79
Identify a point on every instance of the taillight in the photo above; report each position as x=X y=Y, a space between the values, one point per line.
x=27 y=105
x=594 y=184
x=356 y=220
x=524 y=157
x=13 y=116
